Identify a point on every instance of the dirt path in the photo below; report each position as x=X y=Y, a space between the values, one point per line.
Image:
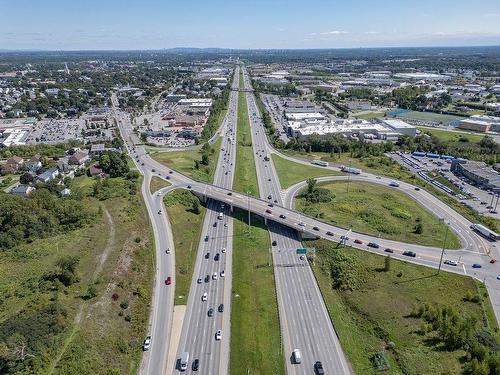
x=85 y=305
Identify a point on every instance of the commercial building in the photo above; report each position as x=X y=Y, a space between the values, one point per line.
x=478 y=172
x=481 y=123
x=399 y=126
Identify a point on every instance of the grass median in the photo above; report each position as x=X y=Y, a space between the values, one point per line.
x=373 y=310
x=290 y=172
x=245 y=179
x=255 y=329
x=380 y=211
x=186 y=216
x=157 y=183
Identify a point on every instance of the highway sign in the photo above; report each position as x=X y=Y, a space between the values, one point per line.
x=301 y=251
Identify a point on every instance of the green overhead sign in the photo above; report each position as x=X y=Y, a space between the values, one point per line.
x=301 y=251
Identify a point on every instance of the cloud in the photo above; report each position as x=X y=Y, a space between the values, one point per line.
x=334 y=32
x=371 y=32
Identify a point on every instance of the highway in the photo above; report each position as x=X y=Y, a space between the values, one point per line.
x=473 y=250
x=199 y=329
x=304 y=320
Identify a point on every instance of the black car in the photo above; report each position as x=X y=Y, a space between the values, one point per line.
x=274 y=243
x=374 y=245
x=217 y=257
x=170 y=172
x=221 y=307
x=153 y=170
x=211 y=312
x=207 y=255
x=229 y=193
x=189 y=186
x=196 y=365
x=215 y=224
x=271 y=205
x=318 y=367
x=389 y=250
x=410 y=254
x=282 y=216
x=168 y=177
x=417 y=188
x=329 y=233
x=316 y=228
x=206 y=238
x=207 y=278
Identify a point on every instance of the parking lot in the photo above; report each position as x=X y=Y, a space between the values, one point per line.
x=56 y=131
x=274 y=105
x=437 y=171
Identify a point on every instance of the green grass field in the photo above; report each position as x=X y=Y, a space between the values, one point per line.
x=377 y=310
x=116 y=257
x=157 y=183
x=429 y=116
x=369 y=115
x=380 y=211
x=184 y=162
x=290 y=172
x=451 y=136
x=255 y=330
x=186 y=231
x=245 y=179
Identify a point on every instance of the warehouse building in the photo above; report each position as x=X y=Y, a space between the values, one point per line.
x=478 y=172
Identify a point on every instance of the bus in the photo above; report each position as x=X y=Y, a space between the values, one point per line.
x=321 y=163
x=481 y=229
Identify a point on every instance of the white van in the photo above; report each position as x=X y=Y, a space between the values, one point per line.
x=221 y=215
x=297 y=357
x=184 y=361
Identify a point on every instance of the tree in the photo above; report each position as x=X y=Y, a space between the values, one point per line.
x=419 y=228
x=311 y=184
x=205 y=159
x=196 y=206
x=387 y=263
x=26 y=178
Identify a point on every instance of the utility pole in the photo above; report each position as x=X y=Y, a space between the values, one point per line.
x=444 y=244
x=249 y=225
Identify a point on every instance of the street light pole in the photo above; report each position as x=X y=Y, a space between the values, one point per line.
x=444 y=244
x=248 y=198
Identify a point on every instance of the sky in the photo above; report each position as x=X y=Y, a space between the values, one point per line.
x=158 y=24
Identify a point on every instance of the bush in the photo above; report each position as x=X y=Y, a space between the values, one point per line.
x=124 y=304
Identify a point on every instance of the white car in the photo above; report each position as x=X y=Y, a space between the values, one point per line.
x=223 y=250
x=147 y=344
x=204 y=297
x=199 y=280
x=222 y=273
x=218 y=335
x=451 y=262
x=302 y=224
x=168 y=250
x=214 y=276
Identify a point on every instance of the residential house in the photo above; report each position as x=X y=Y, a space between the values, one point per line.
x=13 y=164
x=23 y=190
x=96 y=171
x=34 y=164
x=79 y=157
x=48 y=175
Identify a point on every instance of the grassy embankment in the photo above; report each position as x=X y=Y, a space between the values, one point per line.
x=157 y=183
x=380 y=211
x=185 y=162
x=377 y=309
x=255 y=330
x=186 y=221
x=102 y=316
x=290 y=173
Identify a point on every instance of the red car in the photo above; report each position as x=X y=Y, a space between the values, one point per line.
x=269 y=211
x=168 y=281
x=358 y=241
x=493 y=260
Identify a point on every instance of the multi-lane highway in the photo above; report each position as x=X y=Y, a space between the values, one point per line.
x=305 y=323
x=474 y=249
x=208 y=308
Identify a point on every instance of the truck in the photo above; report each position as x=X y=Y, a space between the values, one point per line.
x=488 y=233
x=343 y=168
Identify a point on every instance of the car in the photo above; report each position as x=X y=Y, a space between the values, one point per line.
x=271 y=205
x=269 y=196
x=217 y=257
x=358 y=241
x=207 y=278
x=268 y=179
x=477 y=265
x=168 y=177
x=204 y=297
x=297 y=357
x=146 y=345
x=302 y=257
x=218 y=335
x=215 y=225
x=275 y=201
x=493 y=260
x=329 y=233
x=274 y=243
x=167 y=251
x=318 y=367
x=417 y=189
x=373 y=244
x=344 y=238
x=170 y=172
x=168 y=281
x=210 y=312
x=389 y=250
x=282 y=216
x=196 y=365
x=207 y=255
x=269 y=211
x=153 y=170
x=222 y=273
x=159 y=212
x=206 y=238
x=189 y=186
x=223 y=250
x=214 y=276
x=142 y=163
x=498 y=277
x=302 y=224
x=451 y=262
x=200 y=280
x=229 y=193
x=316 y=228
x=409 y=254
x=221 y=307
